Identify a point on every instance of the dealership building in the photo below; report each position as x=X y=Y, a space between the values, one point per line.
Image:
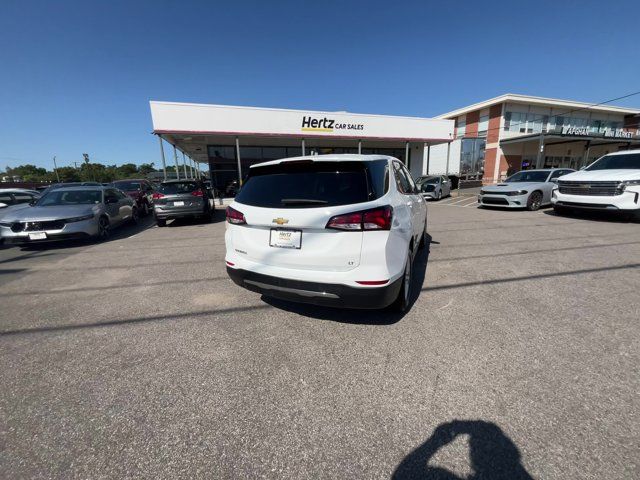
x=511 y=132
x=230 y=139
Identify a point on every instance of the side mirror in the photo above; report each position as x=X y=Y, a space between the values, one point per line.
x=554 y=180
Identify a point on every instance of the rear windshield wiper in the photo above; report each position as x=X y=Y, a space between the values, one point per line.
x=302 y=201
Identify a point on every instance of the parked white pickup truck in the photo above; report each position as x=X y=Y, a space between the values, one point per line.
x=610 y=183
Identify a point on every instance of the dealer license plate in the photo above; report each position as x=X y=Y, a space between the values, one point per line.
x=285 y=238
x=37 y=236
x=178 y=204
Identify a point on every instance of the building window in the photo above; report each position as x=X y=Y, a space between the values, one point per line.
x=472 y=158
x=507 y=121
x=483 y=125
x=462 y=127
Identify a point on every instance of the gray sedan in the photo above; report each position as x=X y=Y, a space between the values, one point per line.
x=69 y=213
x=182 y=199
x=528 y=189
x=434 y=187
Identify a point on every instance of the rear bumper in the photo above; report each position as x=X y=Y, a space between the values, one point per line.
x=169 y=213
x=326 y=294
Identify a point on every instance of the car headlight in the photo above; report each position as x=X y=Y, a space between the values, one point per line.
x=629 y=183
x=78 y=219
x=520 y=192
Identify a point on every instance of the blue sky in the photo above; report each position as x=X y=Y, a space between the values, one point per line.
x=76 y=76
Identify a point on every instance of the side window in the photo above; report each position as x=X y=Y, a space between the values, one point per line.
x=110 y=192
x=407 y=174
x=556 y=174
x=119 y=194
x=6 y=199
x=401 y=180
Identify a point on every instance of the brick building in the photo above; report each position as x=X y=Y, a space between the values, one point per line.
x=512 y=132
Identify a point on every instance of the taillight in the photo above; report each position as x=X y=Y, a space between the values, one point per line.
x=374 y=219
x=235 y=217
x=157 y=195
x=197 y=193
x=372 y=282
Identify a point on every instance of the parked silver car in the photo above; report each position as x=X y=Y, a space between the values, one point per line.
x=528 y=189
x=434 y=187
x=181 y=199
x=68 y=213
x=16 y=196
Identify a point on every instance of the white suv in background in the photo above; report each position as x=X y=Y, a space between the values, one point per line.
x=610 y=183
x=335 y=230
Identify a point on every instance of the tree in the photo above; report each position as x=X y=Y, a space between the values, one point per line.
x=68 y=174
x=29 y=173
x=146 y=168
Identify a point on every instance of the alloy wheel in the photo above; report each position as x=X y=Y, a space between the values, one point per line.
x=103 y=228
x=407 y=279
x=535 y=200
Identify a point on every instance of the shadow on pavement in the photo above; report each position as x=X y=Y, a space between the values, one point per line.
x=361 y=317
x=597 y=216
x=217 y=216
x=492 y=454
x=169 y=317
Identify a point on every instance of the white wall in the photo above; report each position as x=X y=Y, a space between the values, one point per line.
x=170 y=117
x=438 y=159
x=418 y=160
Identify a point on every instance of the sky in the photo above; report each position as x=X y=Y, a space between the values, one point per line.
x=77 y=76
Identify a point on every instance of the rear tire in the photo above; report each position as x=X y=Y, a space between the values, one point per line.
x=423 y=239
x=534 y=201
x=161 y=223
x=440 y=195
x=401 y=304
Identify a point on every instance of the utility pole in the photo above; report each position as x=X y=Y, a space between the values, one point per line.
x=55 y=169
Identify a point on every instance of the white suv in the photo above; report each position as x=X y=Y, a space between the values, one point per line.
x=336 y=230
x=610 y=183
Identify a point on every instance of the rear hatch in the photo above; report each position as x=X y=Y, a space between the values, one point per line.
x=287 y=207
x=179 y=195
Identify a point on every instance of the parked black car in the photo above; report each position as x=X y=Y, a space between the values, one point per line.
x=182 y=199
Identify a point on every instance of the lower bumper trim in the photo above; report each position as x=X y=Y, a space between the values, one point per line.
x=586 y=206
x=326 y=294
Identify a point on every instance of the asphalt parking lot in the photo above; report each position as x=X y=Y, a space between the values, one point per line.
x=138 y=357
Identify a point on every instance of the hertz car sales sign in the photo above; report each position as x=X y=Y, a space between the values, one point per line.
x=324 y=124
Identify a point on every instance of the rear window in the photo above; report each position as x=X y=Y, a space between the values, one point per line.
x=309 y=184
x=178 y=187
x=127 y=186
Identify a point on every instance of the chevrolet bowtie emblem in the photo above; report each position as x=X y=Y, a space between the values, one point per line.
x=280 y=220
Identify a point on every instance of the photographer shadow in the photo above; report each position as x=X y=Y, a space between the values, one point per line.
x=492 y=454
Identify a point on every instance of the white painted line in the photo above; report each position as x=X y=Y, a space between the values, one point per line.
x=460 y=201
